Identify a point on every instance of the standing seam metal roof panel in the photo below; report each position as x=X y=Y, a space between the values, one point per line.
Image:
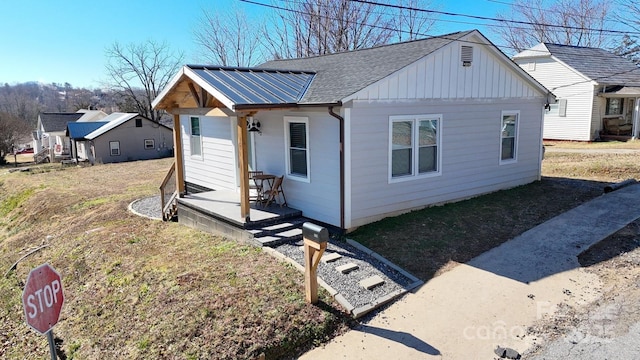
x=244 y=86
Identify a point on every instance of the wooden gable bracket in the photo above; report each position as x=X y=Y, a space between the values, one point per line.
x=201 y=98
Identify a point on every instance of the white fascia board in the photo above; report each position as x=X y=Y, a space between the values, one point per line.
x=168 y=88
x=208 y=88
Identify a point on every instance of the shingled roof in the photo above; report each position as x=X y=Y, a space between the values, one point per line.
x=599 y=65
x=342 y=74
x=52 y=122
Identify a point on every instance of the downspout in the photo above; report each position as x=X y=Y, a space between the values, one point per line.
x=341 y=119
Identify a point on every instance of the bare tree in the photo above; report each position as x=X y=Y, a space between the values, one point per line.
x=629 y=46
x=229 y=38
x=138 y=72
x=11 y=129
x=567 y=22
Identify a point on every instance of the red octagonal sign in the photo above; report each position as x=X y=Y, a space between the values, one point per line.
x=42 y=298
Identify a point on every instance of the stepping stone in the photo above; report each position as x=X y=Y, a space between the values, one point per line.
x=371 y=282
x=330 y=257
x=290 y=233
x=347 y=268
x=278 y=226
x=266 y=240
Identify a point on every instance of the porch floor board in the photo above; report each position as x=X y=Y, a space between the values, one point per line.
x=225 y=205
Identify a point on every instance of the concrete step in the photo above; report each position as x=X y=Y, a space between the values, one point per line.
x=371 y=282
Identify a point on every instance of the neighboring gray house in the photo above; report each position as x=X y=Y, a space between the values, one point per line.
x=49 y=140
x=365 y=134
x=597 y=91
x=120 y=137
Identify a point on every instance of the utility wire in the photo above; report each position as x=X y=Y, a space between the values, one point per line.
x=496 y=19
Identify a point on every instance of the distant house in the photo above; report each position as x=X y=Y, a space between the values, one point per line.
x=49 y=140
x=597 y=91
x=120 y=137
x=358 y=135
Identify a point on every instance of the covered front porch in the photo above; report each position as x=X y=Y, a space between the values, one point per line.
x=621 y=113
x=219 y=211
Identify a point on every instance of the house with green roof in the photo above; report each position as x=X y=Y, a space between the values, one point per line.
x=356 y=136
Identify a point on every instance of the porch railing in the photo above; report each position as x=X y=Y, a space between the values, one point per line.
x=42 y=156
x=168 y=194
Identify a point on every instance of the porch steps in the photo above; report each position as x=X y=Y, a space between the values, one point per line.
x=289 y=230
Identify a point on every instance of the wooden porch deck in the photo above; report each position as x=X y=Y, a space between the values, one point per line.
x=219 y=212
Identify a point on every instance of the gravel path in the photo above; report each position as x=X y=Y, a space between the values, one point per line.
x=147 y=207
x=359 y=300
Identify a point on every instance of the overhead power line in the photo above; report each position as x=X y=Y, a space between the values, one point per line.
x=609 y=31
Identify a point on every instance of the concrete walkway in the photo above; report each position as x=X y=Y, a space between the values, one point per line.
x=491 y=300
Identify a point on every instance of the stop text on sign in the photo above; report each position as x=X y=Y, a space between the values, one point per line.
x=43 y=298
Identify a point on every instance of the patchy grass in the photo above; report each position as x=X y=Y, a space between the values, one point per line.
x=139 y=289
x=434 y=240
x=631 y=144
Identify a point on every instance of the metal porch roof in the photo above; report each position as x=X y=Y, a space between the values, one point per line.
x=250 y=86
x=78 y=130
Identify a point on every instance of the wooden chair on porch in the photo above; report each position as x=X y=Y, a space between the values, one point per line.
x=255 y=188
x=276 y=191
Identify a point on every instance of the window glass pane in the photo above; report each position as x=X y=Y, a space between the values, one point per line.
x=428 y=132
x=298 y=162
x=614 y=106
x=427 y=159
x=195 y=126
x=509 y=126
x=298 y=135
x=401 y=137
x=401 y=162
x=508 y=148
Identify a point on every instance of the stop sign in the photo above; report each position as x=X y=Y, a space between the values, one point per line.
x=42 y=298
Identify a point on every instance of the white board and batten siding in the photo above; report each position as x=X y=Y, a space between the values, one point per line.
x=319 y=198
x=441 y=75
x=576 y=89
x=216 y=168
x=470 y=149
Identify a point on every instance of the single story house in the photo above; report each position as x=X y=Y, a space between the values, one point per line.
x=49 y=140
x=360 y=135
x=597 y=91
x=120 y=137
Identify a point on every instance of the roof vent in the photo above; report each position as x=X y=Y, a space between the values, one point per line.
x=466 y=55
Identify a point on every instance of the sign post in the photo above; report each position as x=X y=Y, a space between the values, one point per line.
x=42 y=299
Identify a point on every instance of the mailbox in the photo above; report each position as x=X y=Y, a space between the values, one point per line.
x=315 y=233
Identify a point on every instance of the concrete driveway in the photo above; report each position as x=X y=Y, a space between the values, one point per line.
x=492 y=300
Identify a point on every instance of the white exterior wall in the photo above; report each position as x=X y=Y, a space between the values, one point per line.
x=565 y=83
x=319 y=198
x=216 y=168
x=470 y=150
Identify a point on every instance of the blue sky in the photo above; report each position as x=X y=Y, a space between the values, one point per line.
x=64 y=40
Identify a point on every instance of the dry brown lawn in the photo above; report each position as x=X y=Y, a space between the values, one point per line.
x=141 y=289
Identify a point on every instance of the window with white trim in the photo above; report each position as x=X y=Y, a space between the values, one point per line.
x=509 y=135
x=114 y=148
x=414 y=143
x=297 y=147
x=195 y=137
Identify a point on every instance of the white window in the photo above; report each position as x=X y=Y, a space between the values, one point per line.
x=509 y=135
x=297 y=147
x=414 y=143
x=196 y=139
x=557 y=109
x=149 y=144
x=114 y=148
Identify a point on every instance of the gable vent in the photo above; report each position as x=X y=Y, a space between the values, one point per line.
x=466 y=55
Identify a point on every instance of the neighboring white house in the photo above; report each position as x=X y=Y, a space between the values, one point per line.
x=597 y=91
x=120 y=137
x=49 y=137
x=365 y=134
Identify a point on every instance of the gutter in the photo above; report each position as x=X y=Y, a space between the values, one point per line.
x=341 y=120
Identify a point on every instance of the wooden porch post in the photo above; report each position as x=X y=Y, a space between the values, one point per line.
x=177 y=154
x=243 y=161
